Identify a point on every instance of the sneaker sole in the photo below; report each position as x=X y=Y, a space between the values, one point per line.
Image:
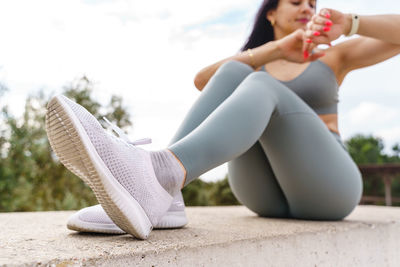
x=72 y=145
x=89 y=227
x=172 y=220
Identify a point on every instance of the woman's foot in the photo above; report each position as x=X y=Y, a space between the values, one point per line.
x=120 y=174
x=95 y=219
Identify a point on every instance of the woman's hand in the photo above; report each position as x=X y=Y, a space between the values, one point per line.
x=290 y=48
x=323 y=28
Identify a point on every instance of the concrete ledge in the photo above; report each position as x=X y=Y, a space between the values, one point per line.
x=215 y=236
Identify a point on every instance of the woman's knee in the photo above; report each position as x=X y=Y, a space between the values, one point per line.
x=265 y=78
x=265 y=84
x=347 y=200
x=235 y=68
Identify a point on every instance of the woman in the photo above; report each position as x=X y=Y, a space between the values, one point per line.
x=271 y=112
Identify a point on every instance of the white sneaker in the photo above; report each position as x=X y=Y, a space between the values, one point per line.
x=120 y=174
x=95 y=219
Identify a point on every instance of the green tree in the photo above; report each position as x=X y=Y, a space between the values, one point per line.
x=365 y=149
x=221 y=193
x=396 y=150
x=80 y=91
x=196 y=193
x=31 y=176
x=368 y=149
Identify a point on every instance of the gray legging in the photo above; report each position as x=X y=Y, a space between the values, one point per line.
x=283 y=160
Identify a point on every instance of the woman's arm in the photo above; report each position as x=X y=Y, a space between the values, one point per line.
x=362 y=52
x=382 y=27
x=379 y=38
x=383 y=42
x=262 y=55
x=288 y=48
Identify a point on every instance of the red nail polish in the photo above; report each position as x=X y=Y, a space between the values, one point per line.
x=327 y=29
x=305 y=54
x=327 y=15
x=308 y=40
x=316 y=33
x=328 y=23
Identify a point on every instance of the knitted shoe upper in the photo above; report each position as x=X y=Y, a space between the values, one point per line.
x=130 y=165
x=94 y=214
x=178 y=204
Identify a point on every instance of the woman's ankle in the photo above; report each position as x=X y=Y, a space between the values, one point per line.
x=169 y=170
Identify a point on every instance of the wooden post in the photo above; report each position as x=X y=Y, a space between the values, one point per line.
x=387 y=171
x=388 y=186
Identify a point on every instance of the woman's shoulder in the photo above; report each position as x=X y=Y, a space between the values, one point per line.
x=331 y=57
x=332 y=60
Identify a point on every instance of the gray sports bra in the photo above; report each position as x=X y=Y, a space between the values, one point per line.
x=317 y=86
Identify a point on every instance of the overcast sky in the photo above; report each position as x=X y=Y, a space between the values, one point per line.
x=149 y=52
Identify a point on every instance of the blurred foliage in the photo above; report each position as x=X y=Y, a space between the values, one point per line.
x=369 y=149
x=33 y=179
x=31 y=176
x=200 y=193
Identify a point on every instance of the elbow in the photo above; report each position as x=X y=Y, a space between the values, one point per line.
x=198 y=82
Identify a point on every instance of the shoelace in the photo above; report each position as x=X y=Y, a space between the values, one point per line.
x=124 y=137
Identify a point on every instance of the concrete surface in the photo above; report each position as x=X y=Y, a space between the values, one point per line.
x=215 y=236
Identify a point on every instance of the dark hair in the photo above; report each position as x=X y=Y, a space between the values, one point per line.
x=262 y=29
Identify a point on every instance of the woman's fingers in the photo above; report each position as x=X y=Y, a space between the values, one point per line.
x=308 y=49
x=317 y=32
x=312 y=34
x=307 y=42
x=310 y=44
x=315 y=54
x=321 y=20
x=325 y=12
x=318 y=27
x=320 y=38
